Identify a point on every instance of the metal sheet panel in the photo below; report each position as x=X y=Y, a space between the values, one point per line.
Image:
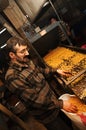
x=31 y=7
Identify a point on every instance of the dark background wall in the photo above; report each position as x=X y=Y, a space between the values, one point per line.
x=70 y=11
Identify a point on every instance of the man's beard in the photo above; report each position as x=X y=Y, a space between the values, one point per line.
x=24 y=60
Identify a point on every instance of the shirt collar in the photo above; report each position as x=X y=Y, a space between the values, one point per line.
x=18 y=66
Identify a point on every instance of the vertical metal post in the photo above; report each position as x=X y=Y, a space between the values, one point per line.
x=52 y=5
x=61 y=26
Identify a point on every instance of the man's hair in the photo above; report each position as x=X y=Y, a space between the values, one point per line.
x=13 y=41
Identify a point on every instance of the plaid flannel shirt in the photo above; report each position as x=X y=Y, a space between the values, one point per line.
x=29 y=84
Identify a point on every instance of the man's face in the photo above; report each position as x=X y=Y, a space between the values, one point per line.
x=21 y=54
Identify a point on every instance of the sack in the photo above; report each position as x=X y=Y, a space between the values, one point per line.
x=78 y=119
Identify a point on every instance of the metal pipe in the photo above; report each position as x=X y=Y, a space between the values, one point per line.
x=52 y=5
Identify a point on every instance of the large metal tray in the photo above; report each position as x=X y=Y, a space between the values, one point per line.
x=73 y=60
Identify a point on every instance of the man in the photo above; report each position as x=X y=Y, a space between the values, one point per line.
x=63 y=34
x=27 y=81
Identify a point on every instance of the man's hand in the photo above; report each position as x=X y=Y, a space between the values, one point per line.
x=69 y=107
x=64 y=73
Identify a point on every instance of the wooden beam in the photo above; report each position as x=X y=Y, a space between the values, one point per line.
x=15 y=15
x=15 y=118
x=9 y=27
